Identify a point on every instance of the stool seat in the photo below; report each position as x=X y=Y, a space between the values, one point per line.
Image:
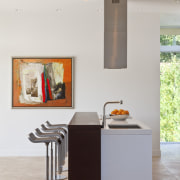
x=44 y=128
x=35 y=139
x=55 y=125
x=49 y=134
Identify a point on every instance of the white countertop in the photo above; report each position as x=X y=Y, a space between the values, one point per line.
x=109 y=131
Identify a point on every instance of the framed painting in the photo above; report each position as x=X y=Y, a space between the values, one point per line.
x=42 y=82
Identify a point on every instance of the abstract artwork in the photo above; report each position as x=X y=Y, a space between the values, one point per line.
x=42 y=82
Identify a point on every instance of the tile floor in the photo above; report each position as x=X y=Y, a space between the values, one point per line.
x=33 y=168
x=168 y=166
x=23 y=168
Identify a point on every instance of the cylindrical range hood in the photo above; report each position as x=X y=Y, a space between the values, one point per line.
x=115 y=34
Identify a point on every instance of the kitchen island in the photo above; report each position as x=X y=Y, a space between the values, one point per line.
x=95 y=153
x=126 y=153
x=84 y=147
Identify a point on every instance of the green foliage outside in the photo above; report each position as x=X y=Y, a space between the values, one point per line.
x=170 y=96
x=169 y=40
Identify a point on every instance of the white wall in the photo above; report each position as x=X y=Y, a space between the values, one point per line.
x=37 y=29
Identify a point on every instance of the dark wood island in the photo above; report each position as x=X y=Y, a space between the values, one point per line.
x=84 y=147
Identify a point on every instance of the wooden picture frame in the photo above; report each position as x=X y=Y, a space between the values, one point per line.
x=39 y=82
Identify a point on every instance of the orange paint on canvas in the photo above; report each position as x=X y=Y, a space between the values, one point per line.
x=67 y=79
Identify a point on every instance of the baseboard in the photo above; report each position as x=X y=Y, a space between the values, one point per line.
x=156 y=153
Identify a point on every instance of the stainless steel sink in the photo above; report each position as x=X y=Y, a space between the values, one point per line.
x=124 y=126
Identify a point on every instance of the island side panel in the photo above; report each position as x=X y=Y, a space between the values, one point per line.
x=126 y=157
x=85 y=148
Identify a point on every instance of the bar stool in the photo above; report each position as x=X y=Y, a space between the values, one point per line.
x=45 y=140
x=61 y=153
x=55 y=130
x=64 y=126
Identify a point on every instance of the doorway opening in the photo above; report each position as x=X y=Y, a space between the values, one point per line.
x=170 y=88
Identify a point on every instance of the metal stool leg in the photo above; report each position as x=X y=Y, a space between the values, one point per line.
x=55 y=161
x=60 y=163
x=47 y=161
x=51 y=161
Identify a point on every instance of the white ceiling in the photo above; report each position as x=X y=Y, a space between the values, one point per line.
x=169 y=9
x=44 y=5
x=170 y=20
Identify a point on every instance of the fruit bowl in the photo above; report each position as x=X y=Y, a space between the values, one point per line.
x=119 y=117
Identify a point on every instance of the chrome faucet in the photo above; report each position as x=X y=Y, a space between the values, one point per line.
x=104 y=114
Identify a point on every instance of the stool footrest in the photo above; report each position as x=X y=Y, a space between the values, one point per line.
x=59 y=177
x=65 y=169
